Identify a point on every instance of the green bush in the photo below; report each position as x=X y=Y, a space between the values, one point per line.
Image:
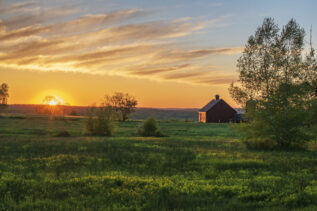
x=62 y=133
x=100 y=121
x=150 y=128
x=260 y=144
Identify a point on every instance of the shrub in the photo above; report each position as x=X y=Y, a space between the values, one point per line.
x=73 y=113
x=252 y=137
x=260 y=144
x=63 y=133
x=100 y=121
x=150 y=128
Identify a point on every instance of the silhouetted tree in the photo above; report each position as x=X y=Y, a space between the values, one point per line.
x=123 y=104
x=52 y=106
x=4 y=95
x=279 y=82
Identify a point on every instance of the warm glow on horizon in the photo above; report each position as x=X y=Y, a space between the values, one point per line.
x=52 y=103
x=53 y=100
x=52 y=97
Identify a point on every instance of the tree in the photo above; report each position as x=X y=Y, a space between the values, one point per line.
x=275 y=77
x=52 y=106
x=4 y=95
x=123 y=104
x=100 y=121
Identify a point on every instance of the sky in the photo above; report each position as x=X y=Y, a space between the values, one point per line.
x=167 y=53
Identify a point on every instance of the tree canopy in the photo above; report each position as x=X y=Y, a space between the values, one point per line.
x=123 y=103
x=4 y=94
x=279 y=80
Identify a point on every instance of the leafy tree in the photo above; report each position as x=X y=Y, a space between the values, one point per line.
x=278 y=82
x=123 y=104
x=4 y=95
x=100 y=121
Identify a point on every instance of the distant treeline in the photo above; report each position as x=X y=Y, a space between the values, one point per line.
x=140 y=114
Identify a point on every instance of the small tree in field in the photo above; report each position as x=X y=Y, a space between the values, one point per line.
x=100 y=121
x=123 y=104
x=279 y=83
x=4 y=95
x=150 y=128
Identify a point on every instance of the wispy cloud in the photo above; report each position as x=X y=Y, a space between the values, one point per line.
x=150 y=71
x=17 y=7
x=37 y=16
x=55 y=39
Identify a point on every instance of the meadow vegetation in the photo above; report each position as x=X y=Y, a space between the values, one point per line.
x=100 y=121
x=195 y=167
x=150 y=128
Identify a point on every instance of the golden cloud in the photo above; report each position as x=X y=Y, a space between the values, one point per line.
x=106 y=44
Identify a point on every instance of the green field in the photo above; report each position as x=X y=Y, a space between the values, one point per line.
x=195 y=167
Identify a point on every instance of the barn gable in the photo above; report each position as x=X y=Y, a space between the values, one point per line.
x=209 y=105
x=217 y=110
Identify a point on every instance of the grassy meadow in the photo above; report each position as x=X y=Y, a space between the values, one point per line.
x=195 y=167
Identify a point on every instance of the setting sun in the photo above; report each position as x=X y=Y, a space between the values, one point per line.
x=53 y=101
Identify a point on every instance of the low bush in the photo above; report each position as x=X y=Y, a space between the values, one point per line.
x=260 y=144
x=253 y=139
x=17 y=117
x=100 y=121
x=62 y=133
x=73 y=113
x=150 y=128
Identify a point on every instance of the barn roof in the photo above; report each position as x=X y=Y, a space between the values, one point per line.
x=209 y=105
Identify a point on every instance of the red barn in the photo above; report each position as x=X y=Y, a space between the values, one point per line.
x=217 y=110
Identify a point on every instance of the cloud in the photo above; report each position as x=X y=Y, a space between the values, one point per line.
x=218 y=79
x=37 y=16
x=182 y=75
x=15 y=7
x=151 y=71
x=95 y=22
x=196 y=54
x=58 y=39
x=22 y=33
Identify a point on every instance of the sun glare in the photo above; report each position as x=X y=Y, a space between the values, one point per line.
x=53 y=101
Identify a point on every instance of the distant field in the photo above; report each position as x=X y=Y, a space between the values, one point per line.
x=140 y=114
x=195 y=167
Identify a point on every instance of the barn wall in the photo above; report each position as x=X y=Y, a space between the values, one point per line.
x=202 y=117
x=221 y=112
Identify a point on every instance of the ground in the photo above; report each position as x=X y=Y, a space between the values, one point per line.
x=195 y=167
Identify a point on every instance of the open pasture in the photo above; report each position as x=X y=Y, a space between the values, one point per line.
x=196 y=166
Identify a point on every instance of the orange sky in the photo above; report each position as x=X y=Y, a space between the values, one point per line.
x=81 y=55
x=28 y=87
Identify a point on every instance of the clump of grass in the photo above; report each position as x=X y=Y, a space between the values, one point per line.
x=17 y=117
x=150 y=128
x=73 y=113
x=260 y=144
x=62 y=133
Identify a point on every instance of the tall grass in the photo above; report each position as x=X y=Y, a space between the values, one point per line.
x=198 y=166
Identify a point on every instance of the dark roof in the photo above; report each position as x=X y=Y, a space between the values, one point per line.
x=209 y=105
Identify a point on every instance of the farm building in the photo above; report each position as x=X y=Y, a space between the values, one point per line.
x=217 y=110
